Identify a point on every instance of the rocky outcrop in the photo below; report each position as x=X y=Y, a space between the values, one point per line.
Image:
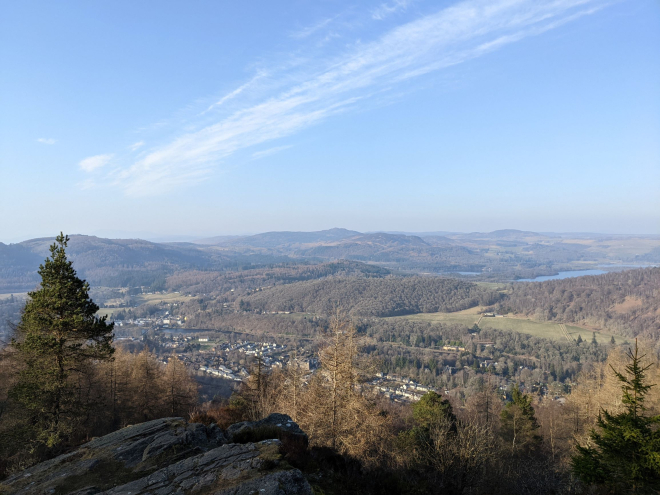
x=170 y=456
x=279 y=425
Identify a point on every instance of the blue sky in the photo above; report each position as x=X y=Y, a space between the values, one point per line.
x=217 y=117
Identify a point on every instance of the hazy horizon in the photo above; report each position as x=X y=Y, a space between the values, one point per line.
x=174 y=237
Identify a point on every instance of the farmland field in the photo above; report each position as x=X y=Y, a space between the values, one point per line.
x=151 y=299
x=546 y=330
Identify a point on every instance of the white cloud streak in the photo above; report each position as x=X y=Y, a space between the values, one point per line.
x=388 y=8
x=95 y=162
x=453 y=35
x=314 y=28
x=270 y=151
x=46 y=140
x=136 y=146
x=236 y=92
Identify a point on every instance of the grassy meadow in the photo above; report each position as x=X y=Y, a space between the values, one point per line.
x=546 y=330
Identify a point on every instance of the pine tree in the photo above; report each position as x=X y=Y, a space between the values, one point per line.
x=625 y=454
x=518 y=422
x=431 y=409
x=612 y=341
x=57 y=339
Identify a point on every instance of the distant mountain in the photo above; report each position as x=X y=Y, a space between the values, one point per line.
x=115 y=262
x=219 y=239
x=272 y=240
x=501 y=234
x=438 y=240
x=500 y=255
x=365 y=246
x=18 y=267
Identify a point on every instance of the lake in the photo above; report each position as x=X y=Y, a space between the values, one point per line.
x=560 y=275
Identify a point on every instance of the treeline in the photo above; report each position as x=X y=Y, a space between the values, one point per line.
x=102 y=397
x=626 y=302
x=373 y=297
x=405 y=347
x=219 y=283
x=254 y=324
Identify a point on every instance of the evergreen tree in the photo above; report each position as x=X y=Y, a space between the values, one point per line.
x=518 y=422
x=625 y=455
x=57 y=339
x=431 y=409
x=593 y=338
x=612 y=341
x=579 y=339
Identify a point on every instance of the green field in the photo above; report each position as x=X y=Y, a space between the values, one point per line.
x=169 y=297
x=546 y=330
x=152 y=299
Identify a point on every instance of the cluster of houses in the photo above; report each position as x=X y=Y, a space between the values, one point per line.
x=224 y=372
x=398 y=388
x=163 y=322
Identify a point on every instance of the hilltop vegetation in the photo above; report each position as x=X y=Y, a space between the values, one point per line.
x=373 y=297
x=209 y=282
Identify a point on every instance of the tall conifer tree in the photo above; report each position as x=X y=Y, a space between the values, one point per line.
x=625 y=450
x=518 y=424
x=58 y=337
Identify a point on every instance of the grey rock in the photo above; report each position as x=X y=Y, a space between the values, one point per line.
x=169 y=457
x=274 y=421
x=280 y=483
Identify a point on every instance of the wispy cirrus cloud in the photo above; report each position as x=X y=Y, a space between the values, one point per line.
x=314 y=28
x=388 y=8
x=305 y=94
x=136 y=146
x=236 y=92
x=95 y=162
x=46 y=140
x=270 y=151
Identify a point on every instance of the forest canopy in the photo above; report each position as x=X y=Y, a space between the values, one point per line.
x=374 y=297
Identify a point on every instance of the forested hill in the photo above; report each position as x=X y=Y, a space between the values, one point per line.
x=373 y=297
x=627 y=302
x=218 y=283
x=18 y=267
x=118 y=262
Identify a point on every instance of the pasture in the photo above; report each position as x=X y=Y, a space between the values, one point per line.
x=141 y=299
x=543 y=329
